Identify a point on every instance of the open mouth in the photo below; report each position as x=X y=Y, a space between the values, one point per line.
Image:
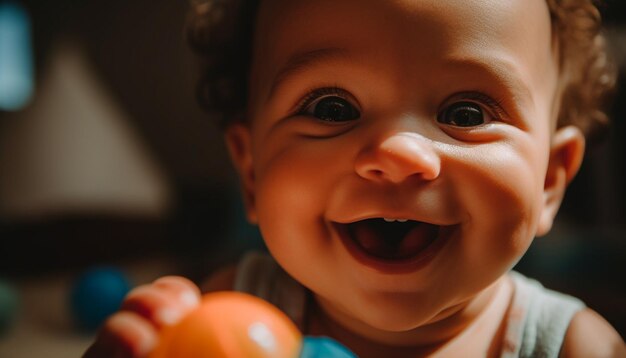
x=391 y=240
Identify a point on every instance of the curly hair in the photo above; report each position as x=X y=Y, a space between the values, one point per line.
x=588 y=75
x=221 y=33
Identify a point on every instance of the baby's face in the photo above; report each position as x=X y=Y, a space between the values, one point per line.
x=435 y=115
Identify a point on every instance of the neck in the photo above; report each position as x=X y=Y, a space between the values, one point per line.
x=441 y=332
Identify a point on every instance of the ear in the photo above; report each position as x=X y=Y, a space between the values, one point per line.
x=566 y=155
x=239 y=143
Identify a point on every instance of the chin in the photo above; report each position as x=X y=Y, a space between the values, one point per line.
x=396 y=324
x=396 y=313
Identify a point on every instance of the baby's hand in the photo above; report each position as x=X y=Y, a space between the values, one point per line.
x=134 y=330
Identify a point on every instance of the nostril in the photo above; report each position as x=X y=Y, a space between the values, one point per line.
x=377 y=173
x=371 y=173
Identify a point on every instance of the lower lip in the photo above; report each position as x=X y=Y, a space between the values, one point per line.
x=411 y=264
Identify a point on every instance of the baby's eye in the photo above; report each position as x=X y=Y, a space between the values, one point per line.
x=463 y=114
x=331 y=108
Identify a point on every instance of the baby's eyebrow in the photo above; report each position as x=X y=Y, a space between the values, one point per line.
x=301 y=60
x=502 y=72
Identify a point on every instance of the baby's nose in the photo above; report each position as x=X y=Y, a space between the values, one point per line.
x=399 y=157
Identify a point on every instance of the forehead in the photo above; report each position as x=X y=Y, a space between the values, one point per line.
x=405 y=34
x=299 y=13
x=280 y=21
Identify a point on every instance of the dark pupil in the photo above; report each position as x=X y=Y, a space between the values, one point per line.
x=335 y=109
x=464 y=114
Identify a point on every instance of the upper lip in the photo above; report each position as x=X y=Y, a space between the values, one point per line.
x=396 y=216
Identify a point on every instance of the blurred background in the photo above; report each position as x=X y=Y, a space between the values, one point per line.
x=107 y=164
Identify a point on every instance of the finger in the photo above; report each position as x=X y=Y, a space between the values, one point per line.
x=124 y=335
x=155 y=304
x=180 y=289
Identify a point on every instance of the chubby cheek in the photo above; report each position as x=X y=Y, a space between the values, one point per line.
x=503 y=193
x=292 y=187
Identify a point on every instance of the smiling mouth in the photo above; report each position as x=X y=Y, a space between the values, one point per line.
x=391 y=241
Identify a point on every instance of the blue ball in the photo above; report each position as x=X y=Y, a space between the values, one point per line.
x=323 y=347
x=97 y=294
x=8 y=306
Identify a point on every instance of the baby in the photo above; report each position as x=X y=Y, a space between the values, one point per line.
x=399 y=157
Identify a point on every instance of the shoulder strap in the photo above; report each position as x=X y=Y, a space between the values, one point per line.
x=259 y=275
x=537 y=319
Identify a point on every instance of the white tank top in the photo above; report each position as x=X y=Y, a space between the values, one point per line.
x=537 y=319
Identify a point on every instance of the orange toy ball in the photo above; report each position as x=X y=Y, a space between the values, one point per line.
x=231 y=324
